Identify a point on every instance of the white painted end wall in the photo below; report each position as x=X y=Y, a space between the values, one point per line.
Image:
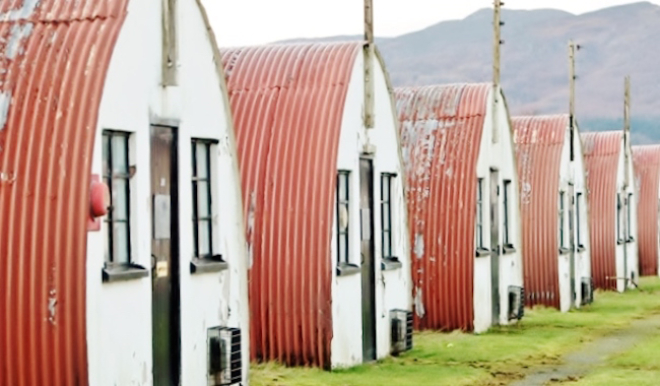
x=393 y=288
x=582 y=258
x=119 y=323
x=501 y=156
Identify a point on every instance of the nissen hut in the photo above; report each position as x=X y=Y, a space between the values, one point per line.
x=324 y=197
x=122 y=250
x=646 y=161
x=462 y=192
x=612 y=209
x=553 y=205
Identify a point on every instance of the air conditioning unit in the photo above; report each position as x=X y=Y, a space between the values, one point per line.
x=587 y=288
x=516 y=302
x=402 y=331
x=224 y=356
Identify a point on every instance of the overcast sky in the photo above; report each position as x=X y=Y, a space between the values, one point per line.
x=249 y=22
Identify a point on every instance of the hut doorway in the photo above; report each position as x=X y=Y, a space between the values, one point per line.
x=495 y=243
x=164 y=256
x=368 y=260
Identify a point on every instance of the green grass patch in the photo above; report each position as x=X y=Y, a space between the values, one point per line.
x=492 y=358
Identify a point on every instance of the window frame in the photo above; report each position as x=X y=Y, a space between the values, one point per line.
x=389 y=260
x=211 y=261
x=619 y=218
x=114 y=270
x=629 y=236
x=564 y=237
x=343 y=255
x=578 y=224
x=481 y=249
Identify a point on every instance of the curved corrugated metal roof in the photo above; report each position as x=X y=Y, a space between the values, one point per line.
x=288 y=104
x=54 y=57
x=539 y=143
x=646 y=160
x=441 y=129
x=601 y=161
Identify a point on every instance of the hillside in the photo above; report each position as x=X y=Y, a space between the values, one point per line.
x=616 y=41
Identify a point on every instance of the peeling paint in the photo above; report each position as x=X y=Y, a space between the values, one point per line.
x=15 y=46
x=28 y=8
x=419 y=246
x=52 y=304
x=5 y=103
x=419 y=303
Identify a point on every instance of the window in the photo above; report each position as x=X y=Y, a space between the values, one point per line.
x=619 y=219
x=480 y=213
x=386 y=213
x=578 y=223
x=507 y=219
x=201 y=199
x=629 y=224
x=343 y=216
x=117 y=176
x=562 y=220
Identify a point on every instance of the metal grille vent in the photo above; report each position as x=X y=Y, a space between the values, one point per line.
x=516 y=302
x=402 y=331
x=587 y=290
x=224 y=356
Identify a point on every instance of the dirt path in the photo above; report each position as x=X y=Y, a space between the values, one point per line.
x=579 y=363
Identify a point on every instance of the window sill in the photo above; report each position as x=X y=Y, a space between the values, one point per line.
x=345 y=269
x=117 y=273
x=482 y=252
x=630 y=240
x=581 y=248
x=509 y=249
x=564 y=251
x=391 y=263
x=619 y=242
x=208 y=265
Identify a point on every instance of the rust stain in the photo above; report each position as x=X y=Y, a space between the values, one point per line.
x=54 y=56
x=646 y=161
x=288 y=103
x=601 y=158
x=539 y=143
x=441 y=129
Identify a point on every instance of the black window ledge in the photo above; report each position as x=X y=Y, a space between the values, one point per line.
x=564 y=251
x=630 y=239
x=581 y=248
x=482 y=252
x=208 y=264
x=123 y=272
x=346 y=269
x=619 y=242
x=509 y=249
x=390 y=263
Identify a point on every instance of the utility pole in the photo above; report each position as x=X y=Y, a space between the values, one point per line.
x=497 y=42
x=369 y=87
x=573 y=216
x=572 y=49
x=170 y=54
x=626 y=128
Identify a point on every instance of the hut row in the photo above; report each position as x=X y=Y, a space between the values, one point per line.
x=170 y=212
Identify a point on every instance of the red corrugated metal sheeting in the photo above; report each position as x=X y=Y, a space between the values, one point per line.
x=54 y=55
x=601 y=157
x=539 y=144
x=441 y=129
x=646 y=160
x=288 y=103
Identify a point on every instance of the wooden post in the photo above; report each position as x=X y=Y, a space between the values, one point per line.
x=170 y=52
x=497 y=42
x=572 y=48
x=369 y=87
x=626 y=128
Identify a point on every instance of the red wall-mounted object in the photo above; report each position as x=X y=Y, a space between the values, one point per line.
x=99 y=201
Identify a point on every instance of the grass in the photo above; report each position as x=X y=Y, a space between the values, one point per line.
x=495 y=357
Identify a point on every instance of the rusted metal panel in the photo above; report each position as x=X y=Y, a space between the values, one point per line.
x=288 y=102
x=646 y=160
x=441 y=129
x=53 y=59
x=539 y=143
x=601 y=158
